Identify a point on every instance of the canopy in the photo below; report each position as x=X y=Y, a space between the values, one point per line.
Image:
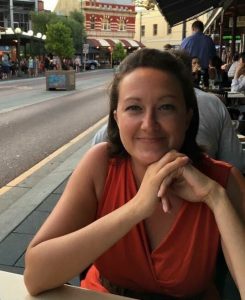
x=176 y=11
x=127 y=43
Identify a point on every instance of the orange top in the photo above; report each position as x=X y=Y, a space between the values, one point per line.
x=184 y=262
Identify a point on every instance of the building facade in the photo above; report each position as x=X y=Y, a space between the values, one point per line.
x=108 y=22
x=154 y=32
x=15 y=13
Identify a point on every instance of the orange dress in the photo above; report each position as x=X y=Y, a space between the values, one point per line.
x=184 y=262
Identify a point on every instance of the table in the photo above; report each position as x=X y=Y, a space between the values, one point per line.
x=12 y=287
x=235 y=98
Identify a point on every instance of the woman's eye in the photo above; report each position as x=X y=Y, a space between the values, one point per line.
x=167 y=107
x=133 y=107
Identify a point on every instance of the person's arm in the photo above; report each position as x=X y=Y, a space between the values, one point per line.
x=230 y=217
x=238 y=82
x=100 y=136
x=229 y=148
x=71 y=239
x=228 y=208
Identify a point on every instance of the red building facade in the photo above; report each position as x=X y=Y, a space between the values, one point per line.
x=108 y=23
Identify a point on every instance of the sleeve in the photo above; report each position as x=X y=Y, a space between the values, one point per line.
x=100 y=136
x=238 y=85
x=184 y=44
x=230 y=148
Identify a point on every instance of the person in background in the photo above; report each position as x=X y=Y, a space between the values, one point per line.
x=218 y=74
x=216 y=133
x=238 y=82
x=167 y=47
x=232 y=68
x=201 y=46
x=196 y=71
x=148 y=210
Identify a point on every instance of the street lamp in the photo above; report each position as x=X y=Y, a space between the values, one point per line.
x=18 y=32
x=140 y=6
x=30 y=33
x=43 y=38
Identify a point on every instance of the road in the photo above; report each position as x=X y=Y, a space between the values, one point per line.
x=35 y=122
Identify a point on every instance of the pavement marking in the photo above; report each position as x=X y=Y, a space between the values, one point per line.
x=36 y=167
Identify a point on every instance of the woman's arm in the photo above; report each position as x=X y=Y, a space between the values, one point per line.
x=230 y=218
x=227 y=207
x=71 y=239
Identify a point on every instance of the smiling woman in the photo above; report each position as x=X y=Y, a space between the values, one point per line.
x=148 y=210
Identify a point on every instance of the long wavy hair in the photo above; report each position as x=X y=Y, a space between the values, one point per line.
x=166 y=62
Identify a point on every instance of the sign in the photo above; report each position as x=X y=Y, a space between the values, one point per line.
x=85 y=48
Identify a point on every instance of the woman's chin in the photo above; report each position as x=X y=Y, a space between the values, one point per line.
x=148 y=158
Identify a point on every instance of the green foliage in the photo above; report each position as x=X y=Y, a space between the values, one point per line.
x=78 y=16
x=41 y=20
x=75 y=22
x=59 y=40
x=118 y=53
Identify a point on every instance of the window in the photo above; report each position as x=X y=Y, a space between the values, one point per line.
x=142 y=32
x=169 y=29
x=154 y=29
x=92 y=23
x=106 y=24
x=122 y=25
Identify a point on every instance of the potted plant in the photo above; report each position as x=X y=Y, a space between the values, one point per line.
x=59 y=42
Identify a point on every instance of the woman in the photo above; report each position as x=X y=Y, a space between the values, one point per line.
x=238 y=82
x=139 y=207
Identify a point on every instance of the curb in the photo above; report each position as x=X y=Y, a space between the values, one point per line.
x=13 y=215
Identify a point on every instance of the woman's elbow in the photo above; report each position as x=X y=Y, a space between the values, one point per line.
x=32 y=287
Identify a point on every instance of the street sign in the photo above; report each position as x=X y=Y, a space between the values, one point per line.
x=85 y=48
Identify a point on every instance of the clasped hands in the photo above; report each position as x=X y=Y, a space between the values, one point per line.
x=175 y=174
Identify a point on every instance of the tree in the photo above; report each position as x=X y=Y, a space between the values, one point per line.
x=41 y=20
x=118 y=53
x=75 y=22
x=59 y=41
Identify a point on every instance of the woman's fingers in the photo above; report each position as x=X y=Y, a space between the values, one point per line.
x=166 y=204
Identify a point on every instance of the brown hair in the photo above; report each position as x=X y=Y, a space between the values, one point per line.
x=166 y=62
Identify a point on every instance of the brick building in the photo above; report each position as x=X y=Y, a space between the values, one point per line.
x=108 y=22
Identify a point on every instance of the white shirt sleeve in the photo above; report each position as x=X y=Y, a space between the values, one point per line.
x=238 y=85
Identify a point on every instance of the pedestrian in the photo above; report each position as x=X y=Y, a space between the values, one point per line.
x=201 y=46
x=143 y=209
x=31 y=66
x=77 y=64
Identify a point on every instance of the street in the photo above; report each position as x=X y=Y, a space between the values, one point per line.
x=35 y=122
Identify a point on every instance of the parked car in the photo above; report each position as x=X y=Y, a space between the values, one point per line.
x=92 y=64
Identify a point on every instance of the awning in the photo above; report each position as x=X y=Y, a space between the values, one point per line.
x=127 y=43
x=176 y=11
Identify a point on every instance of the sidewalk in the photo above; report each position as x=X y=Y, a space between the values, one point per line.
x=25 y=204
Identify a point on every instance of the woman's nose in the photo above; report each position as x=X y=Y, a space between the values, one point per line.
x=149 y=120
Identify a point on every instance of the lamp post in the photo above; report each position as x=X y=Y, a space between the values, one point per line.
x=30 y=33
x=39 y=36
x=18 y=32
x=140 y=6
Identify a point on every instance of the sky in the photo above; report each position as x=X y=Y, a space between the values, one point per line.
x=49 y=4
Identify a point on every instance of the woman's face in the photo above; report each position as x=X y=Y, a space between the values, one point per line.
x=151 y=114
